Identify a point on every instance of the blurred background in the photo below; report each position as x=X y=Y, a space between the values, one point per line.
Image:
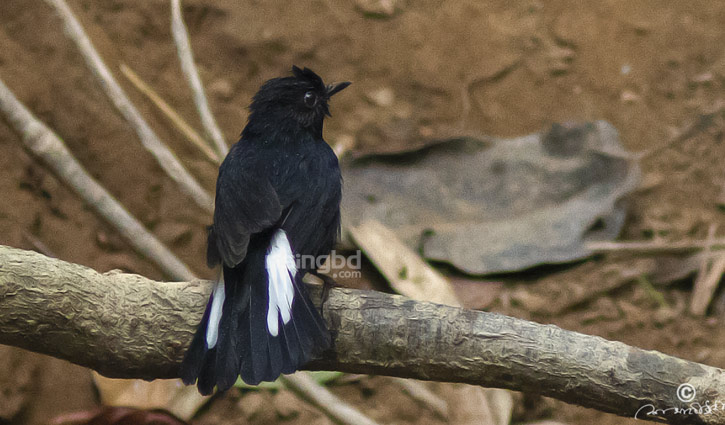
x=421 y=70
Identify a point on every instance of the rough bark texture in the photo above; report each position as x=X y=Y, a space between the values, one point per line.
x=126 y=326
x=122 y=325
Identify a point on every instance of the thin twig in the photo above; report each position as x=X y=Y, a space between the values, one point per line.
x=166 y=159
x=302 y=384
x=170 y=113
x=708 y=277
x=711 y=280
x=39 y=245
x=47 y=146
x=655 y=247
x=653 y=293
x=183 y=47
x=419 y=392
x=699 y=124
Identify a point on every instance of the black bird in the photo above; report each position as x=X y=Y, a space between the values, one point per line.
x=277 y=200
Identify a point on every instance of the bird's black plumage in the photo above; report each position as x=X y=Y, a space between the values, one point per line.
x=278 y=194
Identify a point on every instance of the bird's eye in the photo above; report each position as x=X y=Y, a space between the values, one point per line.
x=310 y=99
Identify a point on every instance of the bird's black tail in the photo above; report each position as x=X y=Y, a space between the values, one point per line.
x=246 y=341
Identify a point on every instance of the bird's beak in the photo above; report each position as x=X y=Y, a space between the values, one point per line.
x=336 y=87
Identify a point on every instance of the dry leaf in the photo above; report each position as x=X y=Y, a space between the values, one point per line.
x=500 y=206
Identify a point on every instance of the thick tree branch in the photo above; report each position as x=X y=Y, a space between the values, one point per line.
x=125 y=325
x=186 y=57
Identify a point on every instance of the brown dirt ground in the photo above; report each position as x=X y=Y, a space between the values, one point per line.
x=498 y=67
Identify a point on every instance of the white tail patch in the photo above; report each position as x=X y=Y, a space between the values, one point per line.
x=281 y=269
x=215 y=314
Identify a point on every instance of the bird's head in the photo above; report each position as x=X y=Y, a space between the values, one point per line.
x=302 y=97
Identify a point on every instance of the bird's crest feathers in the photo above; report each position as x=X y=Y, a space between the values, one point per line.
x=308 y=75
x=299 y=100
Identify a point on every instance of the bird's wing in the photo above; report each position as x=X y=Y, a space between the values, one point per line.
x=246 y=203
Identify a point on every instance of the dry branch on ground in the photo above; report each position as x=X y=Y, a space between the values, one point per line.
x=164 y=156
x=45 y=145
